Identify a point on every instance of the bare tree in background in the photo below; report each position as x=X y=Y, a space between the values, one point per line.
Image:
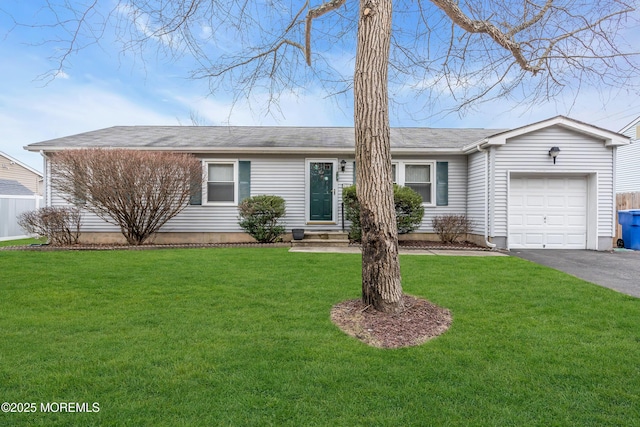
x=139 y=191
x=465 y=50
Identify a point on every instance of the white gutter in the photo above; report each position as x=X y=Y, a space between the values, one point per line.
x=264 y=150
x=486 y=197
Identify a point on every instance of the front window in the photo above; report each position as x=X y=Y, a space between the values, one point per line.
x=221 y=187
x=418 y=178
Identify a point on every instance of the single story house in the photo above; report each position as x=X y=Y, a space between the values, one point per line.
x=547 y=185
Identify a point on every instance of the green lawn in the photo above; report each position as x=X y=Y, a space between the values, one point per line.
x=242 y=337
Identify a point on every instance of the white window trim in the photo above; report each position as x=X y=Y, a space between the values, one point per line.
x=397 y=165
x=205 y=187
x=400 y=171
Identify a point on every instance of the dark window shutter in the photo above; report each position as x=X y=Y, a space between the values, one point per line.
x=196 y=193
x=442 y=183
x=354 y=173
x=244 y=178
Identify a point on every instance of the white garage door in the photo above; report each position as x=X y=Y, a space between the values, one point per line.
x=548 y=213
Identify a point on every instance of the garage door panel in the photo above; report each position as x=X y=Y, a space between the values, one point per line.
x=535 y=220
x=534 y=184
x=533 y=239
x=577 y=221
x=534 y=201
x=576 y=239
x=556 y=239
x=576 y=183
x=516 y=220
x=517 y=201
x=556 y=201
x=577 y=202
x=556 y=220
x=548 y=212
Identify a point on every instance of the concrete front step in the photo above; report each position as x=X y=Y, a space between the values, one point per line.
x=319 y=238
x=326 y=235
x=320 y=243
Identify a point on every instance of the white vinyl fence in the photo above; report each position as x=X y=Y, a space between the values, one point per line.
x=10 y=208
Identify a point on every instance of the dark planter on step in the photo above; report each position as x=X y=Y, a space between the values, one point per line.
x=298 y=233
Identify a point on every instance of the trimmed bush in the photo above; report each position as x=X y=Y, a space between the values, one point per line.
x=60 y=225
x=451 y=227
x=408 y=205
x=409 y=209
x=259 y=217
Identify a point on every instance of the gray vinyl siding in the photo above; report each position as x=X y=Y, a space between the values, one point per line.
x=529 y=153
x=628 y=164
x=279 y=176
x=285 y=176
x=457 y=203
x=476 y=192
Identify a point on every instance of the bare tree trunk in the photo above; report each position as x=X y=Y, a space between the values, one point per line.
x=381 y=286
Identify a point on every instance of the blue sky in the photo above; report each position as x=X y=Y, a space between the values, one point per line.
x=102 y=87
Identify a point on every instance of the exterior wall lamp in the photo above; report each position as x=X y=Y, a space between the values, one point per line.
x=343 y=165
x=554 y=153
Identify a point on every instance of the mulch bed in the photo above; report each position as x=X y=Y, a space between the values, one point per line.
x=419 y=322
x=412 y=244
x=106 y=247
x=429 y=244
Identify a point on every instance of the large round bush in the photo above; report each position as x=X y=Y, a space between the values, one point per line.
x=259 y=217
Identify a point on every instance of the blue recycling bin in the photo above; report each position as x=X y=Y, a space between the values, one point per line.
x=630 y=222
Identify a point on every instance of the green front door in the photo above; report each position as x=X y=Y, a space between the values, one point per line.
x=321 y=191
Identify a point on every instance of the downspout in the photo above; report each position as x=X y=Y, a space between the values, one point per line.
x=486 y=197
x=614 y=221
x=45 y=181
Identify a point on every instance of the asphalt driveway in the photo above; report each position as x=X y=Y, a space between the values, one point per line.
x=618 y=270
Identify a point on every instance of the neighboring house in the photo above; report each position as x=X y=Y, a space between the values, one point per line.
x=628 y=171
x=15 y=199
x=628 y=161
x=11 y=168
x=505 y=181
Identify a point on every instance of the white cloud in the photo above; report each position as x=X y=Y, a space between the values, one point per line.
x=38 y=115
x=291 y=110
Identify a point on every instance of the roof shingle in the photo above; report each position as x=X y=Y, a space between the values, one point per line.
x=206 y=138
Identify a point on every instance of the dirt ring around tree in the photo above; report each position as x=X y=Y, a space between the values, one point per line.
x=419 y=322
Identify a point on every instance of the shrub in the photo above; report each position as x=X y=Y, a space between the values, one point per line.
x=352 y=212
x=139 y=191
x=60 y=225
x=409 y=209
x=259 y=217
x=408 y=206
x=450 y=227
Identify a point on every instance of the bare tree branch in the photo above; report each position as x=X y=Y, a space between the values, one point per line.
x=314 y=13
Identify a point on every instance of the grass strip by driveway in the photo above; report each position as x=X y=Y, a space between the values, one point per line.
x=242 y=336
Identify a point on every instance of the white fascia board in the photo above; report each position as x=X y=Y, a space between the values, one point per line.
x=633 y=124
x=611 y=139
